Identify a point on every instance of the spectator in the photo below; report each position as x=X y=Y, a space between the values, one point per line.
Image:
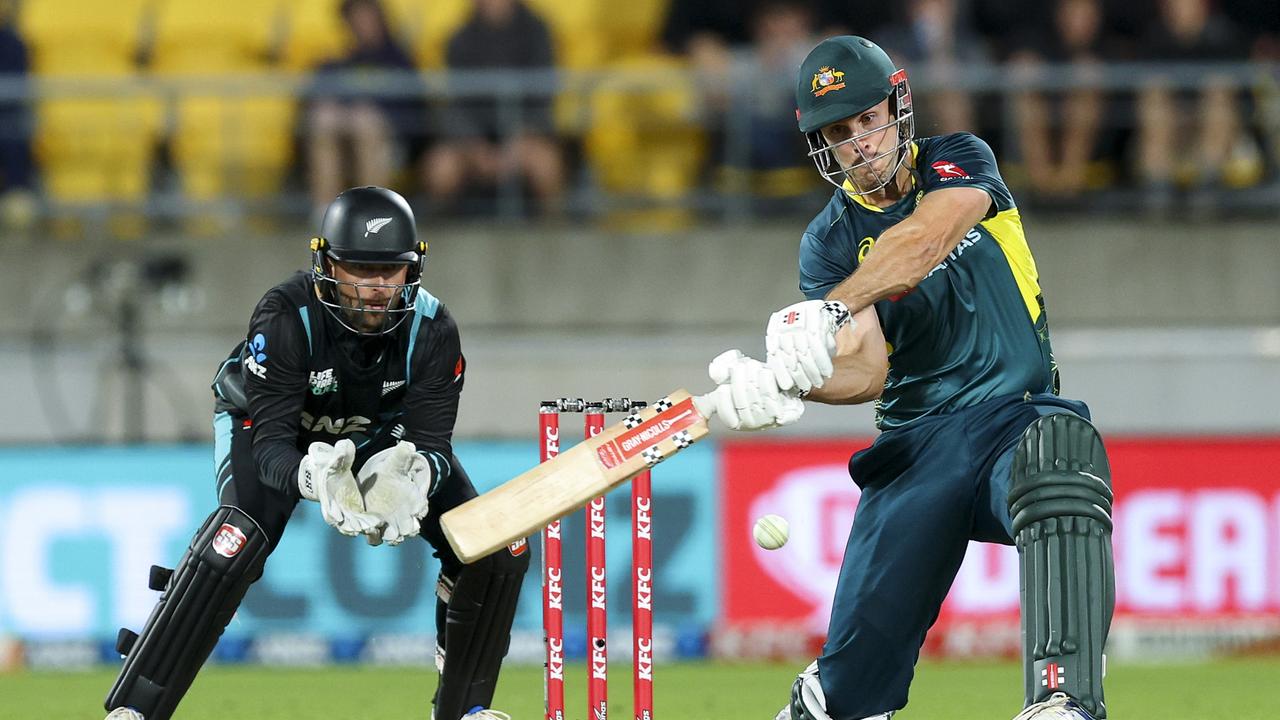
x=782 y=35
x=1058 y=132
x=708 y=32
x=1260 y=19
x=17 y=199
x=934 y=42
x=1207 y=122
x=478 y=144
x=345 y=111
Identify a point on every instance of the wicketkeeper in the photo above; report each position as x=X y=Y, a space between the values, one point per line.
x=924 y=297
x=344 y=392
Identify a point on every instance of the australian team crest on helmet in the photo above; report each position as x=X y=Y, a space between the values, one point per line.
x=827 y=79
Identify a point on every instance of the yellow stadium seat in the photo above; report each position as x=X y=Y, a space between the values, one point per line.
x=237 y=145
x=94 y=150
x=83 y=37
x=314 y=32
x=215 y=37
x=575 y=30
x=431 y=24
x=95 y=146
x=225 y=141
x=633 y=28
x=643 y=142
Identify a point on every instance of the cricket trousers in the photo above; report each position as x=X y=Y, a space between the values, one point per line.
x=927 y=489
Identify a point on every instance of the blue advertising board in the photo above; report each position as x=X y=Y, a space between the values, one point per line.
x=80 y=527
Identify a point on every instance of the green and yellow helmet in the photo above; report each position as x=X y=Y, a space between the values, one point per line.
x=842 y=77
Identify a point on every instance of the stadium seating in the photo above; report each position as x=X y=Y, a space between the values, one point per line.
x=429 y=25
x=93 y=145
x=633 y=28
x=644 y=142
x=314 y=32
x=225 y=143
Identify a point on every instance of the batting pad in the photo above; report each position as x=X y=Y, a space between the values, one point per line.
x=202 y=594
x=482 y=606
x=1060 y=501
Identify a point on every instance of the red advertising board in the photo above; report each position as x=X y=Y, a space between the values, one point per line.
x=1197 y=535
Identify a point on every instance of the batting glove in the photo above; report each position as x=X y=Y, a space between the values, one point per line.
x=801 y=340
x=748 y=396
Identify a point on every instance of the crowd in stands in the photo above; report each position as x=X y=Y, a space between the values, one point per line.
x=401 y=92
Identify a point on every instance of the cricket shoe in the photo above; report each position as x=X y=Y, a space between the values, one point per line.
x=785 y=714
x=1059 y=706
x=808 y=700
x=479 y=713
x=124 y=713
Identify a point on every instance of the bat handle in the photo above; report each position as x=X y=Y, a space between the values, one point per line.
x=705 y=405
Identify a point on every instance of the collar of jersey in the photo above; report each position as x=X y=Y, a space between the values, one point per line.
x=854 y=196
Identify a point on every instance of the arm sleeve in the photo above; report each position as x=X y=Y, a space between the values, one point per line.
x=431 y=405
x=275 y=370
x=821 y=268
x=965 y=160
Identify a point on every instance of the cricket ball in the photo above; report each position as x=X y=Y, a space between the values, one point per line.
x=771 y=532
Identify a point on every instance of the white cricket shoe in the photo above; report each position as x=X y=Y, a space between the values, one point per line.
x=479 y=713
x=124 y=714
x=1059 y=706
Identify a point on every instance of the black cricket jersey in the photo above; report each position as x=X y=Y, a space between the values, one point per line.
x=975 y=328
x=305 y=378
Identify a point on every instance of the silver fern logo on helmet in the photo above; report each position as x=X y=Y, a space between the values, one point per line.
x=374 y=225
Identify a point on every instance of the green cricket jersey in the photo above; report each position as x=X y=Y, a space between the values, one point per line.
x=975 y=327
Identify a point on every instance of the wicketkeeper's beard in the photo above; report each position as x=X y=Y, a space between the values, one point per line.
x=365 y=313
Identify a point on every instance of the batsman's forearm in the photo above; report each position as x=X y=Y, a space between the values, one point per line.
x=901 y=258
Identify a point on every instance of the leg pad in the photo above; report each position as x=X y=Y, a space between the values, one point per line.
x=1060 y=501
x=200 y=596
x=481 y=608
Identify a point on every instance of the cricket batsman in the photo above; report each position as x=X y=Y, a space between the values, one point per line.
x=344 y=392
x=924 y=298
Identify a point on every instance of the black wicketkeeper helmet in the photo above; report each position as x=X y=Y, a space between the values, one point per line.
x=368 y=225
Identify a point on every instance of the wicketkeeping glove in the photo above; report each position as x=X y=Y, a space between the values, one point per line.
x=325 y=476
x=396 y=483
x=801 y=340
x=748 y=396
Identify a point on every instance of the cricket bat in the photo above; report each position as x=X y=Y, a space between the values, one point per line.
x=525 y=504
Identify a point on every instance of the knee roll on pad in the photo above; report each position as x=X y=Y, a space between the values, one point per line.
x=199 y=598
x=1060 y=503
x=481 y=608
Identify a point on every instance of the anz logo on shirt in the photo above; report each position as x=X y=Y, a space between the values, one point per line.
x=255 y=354
x=335 y=426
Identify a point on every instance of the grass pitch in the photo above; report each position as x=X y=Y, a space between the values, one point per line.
x=1243 y=689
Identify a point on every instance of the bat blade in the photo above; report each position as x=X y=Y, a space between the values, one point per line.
x=526 y=503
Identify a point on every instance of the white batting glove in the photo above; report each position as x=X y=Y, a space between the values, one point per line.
x=801 y=340
x=325 y=476
x=748 y=396
x=396 y=483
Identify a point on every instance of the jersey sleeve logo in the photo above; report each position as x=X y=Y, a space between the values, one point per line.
x=949 y=170
x=255 y=355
